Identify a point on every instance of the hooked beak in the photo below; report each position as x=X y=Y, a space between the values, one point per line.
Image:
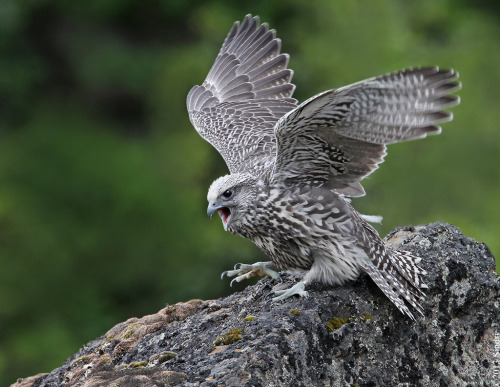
x=224 y=212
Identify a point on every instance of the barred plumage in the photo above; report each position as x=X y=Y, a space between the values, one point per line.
x=292 y=165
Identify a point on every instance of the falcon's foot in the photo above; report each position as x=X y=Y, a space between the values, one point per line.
x=297 y=289
x=245 y=271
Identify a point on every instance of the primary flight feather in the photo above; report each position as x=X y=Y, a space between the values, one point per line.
x=292 y=166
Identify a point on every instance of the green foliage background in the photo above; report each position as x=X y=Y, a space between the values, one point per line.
x=103 y=179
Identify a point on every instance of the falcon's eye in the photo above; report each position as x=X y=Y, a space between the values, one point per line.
x=227 y=194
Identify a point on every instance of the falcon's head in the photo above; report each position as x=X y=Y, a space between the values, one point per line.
x=232 y=196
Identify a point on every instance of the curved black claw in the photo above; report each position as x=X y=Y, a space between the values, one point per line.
x=223 y=274
x=237 y=266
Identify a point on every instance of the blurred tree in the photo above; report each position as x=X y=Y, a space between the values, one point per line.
x=103 y=179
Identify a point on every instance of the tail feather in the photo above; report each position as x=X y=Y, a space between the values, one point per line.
x=406 y=265
x=401 y=280
x=396 y=273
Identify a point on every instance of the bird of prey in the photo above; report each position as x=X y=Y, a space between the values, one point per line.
x=294 y=166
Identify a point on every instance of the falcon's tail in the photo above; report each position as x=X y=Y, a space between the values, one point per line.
x=400 y=278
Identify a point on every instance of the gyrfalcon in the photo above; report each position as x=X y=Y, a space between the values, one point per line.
x=293 y=167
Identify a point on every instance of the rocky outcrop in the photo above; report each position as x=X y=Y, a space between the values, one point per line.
x=348 y=335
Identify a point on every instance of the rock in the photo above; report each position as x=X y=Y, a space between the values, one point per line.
x=27 y=382
x=347 y=335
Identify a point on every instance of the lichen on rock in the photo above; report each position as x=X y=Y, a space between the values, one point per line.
x=229 y=338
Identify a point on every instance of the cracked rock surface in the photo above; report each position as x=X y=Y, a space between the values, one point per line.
x=347 y=335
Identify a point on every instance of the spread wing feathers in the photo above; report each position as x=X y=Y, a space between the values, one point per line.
x=245 y=93
x=338 y=137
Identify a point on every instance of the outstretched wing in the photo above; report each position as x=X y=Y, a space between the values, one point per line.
x=245 y=93
x=338 y=137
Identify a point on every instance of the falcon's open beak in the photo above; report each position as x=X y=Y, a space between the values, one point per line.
x=224 y=212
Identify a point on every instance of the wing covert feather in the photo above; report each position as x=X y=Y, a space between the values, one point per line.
x=245 y=93
x=338 y=137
